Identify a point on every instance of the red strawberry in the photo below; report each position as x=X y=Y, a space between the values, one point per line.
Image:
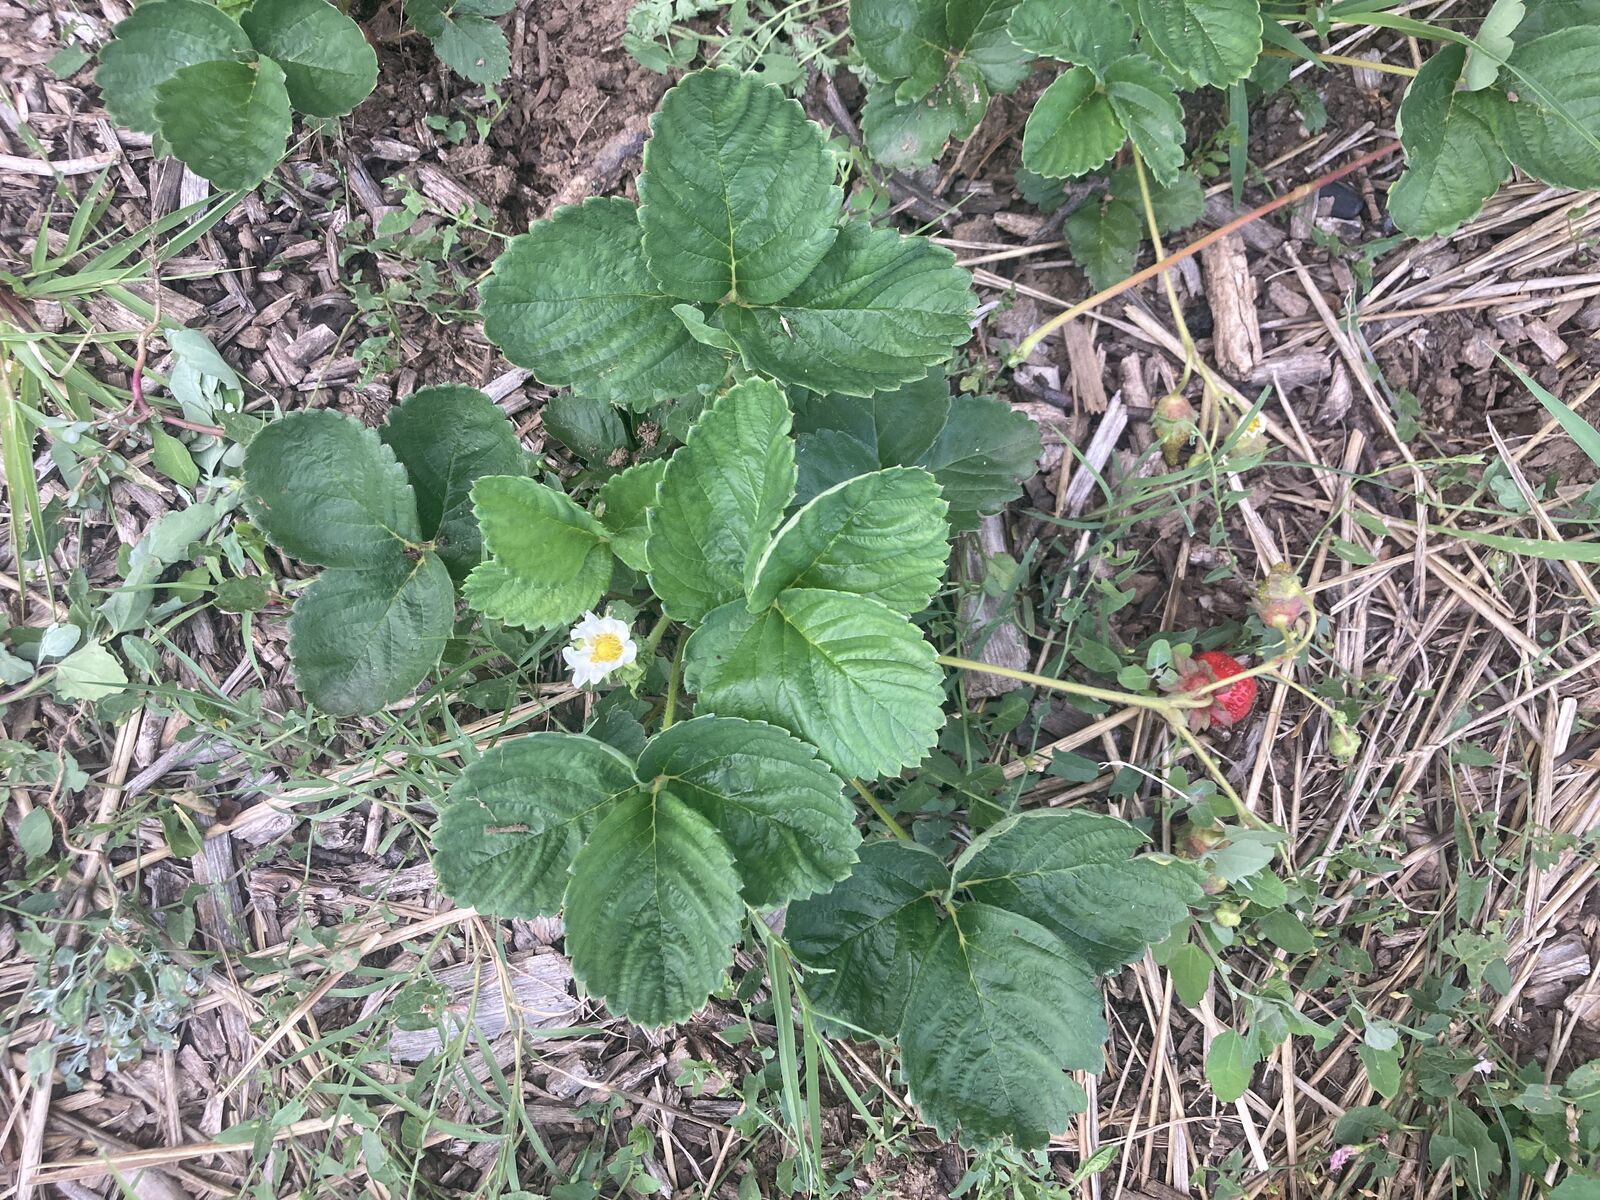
x=1229 y=705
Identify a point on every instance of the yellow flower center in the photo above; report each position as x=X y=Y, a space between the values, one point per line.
x=607 y=648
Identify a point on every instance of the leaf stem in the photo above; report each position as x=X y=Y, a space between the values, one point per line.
x=674 y=682
x=1344 y=60
x=882 y=813
x=1167 y=706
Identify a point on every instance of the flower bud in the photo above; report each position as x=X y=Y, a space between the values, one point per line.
x=1281 y=602
x=1227 y=915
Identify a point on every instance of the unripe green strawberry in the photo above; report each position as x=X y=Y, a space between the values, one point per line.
x=1173 y=424
x=1281 y=602
x=1344 y=743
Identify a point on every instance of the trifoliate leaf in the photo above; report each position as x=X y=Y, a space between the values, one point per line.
x=328 y=67
x=913 y=134
x=155 y=42
x=653 y=910
x=902 y=40
x=448 y=437
x=981 y=456
x=1022 y=1010
x=1072 y=129
x=877 y=312
x=1552 y=131
x=551 y=558
x=90 y=672
x=977 y=34
x=737 y=199
x=869 y=935
x=516 y=818
x=1148 y=108
x=1091 y=33
x=326 y=490
x=1211 y=41
x=1453 y=159
x=1075 y=874
x=847 y=674
x=471 y=46
x=623 y=507
x=883 y=536
x=1104 y=237
x=361 y=638
x=573 y=301
x=781 y=811
x=1494 y=44
x=721 y=497
x=228 y=121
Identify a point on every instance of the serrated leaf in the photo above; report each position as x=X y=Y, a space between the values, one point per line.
x=1178 y=204
x=1075 y=874
x=90 y=672
x=840 y=437
x=1554 y=16
x=738 y=196
x=326 y=490
x=1229 y=1064
x=868 y=936
x=1072 y=129
x=228 y=121
x=551 y=559
x=623 y=507
x=981 y=456
x=328 y=67
x=878 y=311
x=883 y=536
x=653 y=910
x=467 y=43
x=1148 y=108
x=155 y=42
x=447 y=438
x=1494 y=44
x=1552 y=131
x=1021 y=1010
x=592 y=429
x=977 y=34
x=781 y=811
x=363 y=638
x=1191 y=969
x=1211 y=41
x=721 y=497
x=573 y=301
x=913 y=134
x=1453 y=159
x=1091 y=33
x=901 y=39
x=1104 y=238
x=847 y=674
x=516 y=818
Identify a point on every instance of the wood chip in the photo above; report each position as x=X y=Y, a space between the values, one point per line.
x=988 y=635
x=1232 y=292
x=1088 y=386
x=541 y=996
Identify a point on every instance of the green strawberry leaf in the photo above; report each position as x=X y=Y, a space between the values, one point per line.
x=902 y=39
x=1551 y=130
x=1075 y=874
x=1229 y=1064
x=326 y=490
x=849 y=675
x=738 y=197
x=1494 y=44
x=780 y=809
x=1148 y=108
x=1453 y=158
x=573 y=301
x=328 y=67
x=1178 y=204
x=868 y=936
x=1023 y=1011
x=877 y=312
x=1104 y=237
x=722 y=495
x=905 y=136
x=839 y=437
x=1073 y=128
x=516 y=818
x=653 y=909
x=448 y=437
x=228 y=121
x=977 y=34
x=1209 y=41
x=1091 y=33
x=1555 y=16
x=551 y=558
x=471 y=46
x=361 y=638
x=152 y=44
x=883 y=536
x=980 y=458
x=623 y=507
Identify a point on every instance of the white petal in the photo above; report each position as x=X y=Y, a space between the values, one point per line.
x=575 y=656
x=629 y=652
x=591 y=626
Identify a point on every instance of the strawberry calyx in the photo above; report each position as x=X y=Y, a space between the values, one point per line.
x=1229 y=705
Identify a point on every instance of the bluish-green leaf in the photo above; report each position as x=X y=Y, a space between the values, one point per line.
x=1229 y=1064
x=1453 y=158
x=227 y=121
x=1072 y=129
x=1211 y=41
x=328 y=67
x=902 y=40
x=977 y=33
x=1552 y=131
x=984 y=451
x=1091 y=33
x=914 y=133
x=464 y=39
x=152 y=44
x=1148 y=108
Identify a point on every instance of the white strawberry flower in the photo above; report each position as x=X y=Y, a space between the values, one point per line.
x=599 y=646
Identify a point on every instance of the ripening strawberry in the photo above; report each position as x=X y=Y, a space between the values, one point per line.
x=1229 y=705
